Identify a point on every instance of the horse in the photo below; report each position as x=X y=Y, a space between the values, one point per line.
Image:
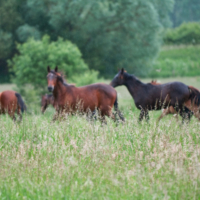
x=156 y=97
x=46 y=100
x=86 y=99
x=189 y=104
x=11 y=101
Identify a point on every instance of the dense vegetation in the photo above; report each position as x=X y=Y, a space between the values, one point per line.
x=176 y=61
x=110 y=34
x=185 y=11
x=187 y=33
x=30 y=66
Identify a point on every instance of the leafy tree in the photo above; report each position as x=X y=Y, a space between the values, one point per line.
x=185 y=11
x=110 y=33
x=30 y=66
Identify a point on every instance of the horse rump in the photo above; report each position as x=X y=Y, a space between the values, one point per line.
x=194 y=95
x=20 y=102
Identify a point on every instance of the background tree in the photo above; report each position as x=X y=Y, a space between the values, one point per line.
x=30 y=66
x=110 y=33
x=185 y=11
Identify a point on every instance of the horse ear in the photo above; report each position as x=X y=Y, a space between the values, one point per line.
x=122 y=71
x=48 y=69
x=56 y=69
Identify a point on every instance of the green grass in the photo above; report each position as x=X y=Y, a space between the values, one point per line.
x=78 y=159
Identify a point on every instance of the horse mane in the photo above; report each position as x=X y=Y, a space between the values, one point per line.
x=132 y=77
x=154 y=82
x=60 y=77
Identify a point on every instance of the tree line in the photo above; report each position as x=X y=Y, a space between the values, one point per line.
x=109 y=33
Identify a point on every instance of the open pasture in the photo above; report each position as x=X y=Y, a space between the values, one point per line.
x=78 y=159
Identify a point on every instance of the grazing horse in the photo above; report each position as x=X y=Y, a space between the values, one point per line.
x=69 y=98
x=45 y=101
x=155 y=97
x=10 y=101
x=189 y=104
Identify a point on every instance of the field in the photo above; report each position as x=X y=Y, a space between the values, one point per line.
x=79 y=159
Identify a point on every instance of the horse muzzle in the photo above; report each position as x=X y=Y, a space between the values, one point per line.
x=50 y=88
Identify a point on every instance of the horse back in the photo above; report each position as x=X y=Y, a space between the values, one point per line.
x=8 y=100
x=96 y=94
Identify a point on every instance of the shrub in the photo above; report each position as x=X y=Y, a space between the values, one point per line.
x=30 y=65
x=177 y=61
x=187 y=33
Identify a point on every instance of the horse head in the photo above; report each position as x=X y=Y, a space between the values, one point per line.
x=119 y=78
x=52 y=77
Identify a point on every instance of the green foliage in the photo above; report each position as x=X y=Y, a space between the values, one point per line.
x=177 y=61
x=6 y=44
x=30 y=66
x=110 y=33
x=187 y=33
x=86 y=78
x=185 y=11
x=25 y=31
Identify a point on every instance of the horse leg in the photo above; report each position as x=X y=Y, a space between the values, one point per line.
x=164 y=113
x=118 y=112
x=185 y=114
x=147 y=115
x=141 y=115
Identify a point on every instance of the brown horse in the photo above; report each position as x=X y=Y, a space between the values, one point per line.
x=10 y=101
x=189 y=104
x=156 y=97
x=68 y=98
x=46 y=100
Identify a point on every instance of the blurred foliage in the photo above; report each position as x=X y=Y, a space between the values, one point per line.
x=177 y=61
x=110 y=33
x=30 y=66
x=6 y=44
x=185 y=11
x=187 y=33
x=25 y=31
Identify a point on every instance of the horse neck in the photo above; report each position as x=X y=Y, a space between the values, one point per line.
x=134 y=86
x=60 y=89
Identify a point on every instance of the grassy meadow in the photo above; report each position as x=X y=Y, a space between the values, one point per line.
x=80 y=159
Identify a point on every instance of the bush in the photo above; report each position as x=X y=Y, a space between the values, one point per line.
x=187 y=33
x=177 y=61
x=30 y=66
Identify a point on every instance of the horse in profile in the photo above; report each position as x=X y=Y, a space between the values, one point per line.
x=46 y=100
x=156 y=97
x=69 y=98
x=189 y=104
x=11 y=101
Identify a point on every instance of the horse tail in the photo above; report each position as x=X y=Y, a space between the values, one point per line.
x=194 y=95
x=117 y=110
x=116 y=104
x=20 y=102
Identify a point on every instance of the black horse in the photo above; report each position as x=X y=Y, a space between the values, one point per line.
x=155 y=97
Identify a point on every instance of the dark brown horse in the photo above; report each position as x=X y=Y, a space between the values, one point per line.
x=46 y=100
x=69 y=98
x=11 y=101
x=155 y=97
x=189 y=104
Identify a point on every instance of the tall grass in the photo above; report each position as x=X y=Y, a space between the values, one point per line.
x=78 y=159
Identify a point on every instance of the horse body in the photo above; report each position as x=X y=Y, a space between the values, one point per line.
x=69 y=98
x=45 y=101
x=10 y=101
x=191 y=105
x=155 y=97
